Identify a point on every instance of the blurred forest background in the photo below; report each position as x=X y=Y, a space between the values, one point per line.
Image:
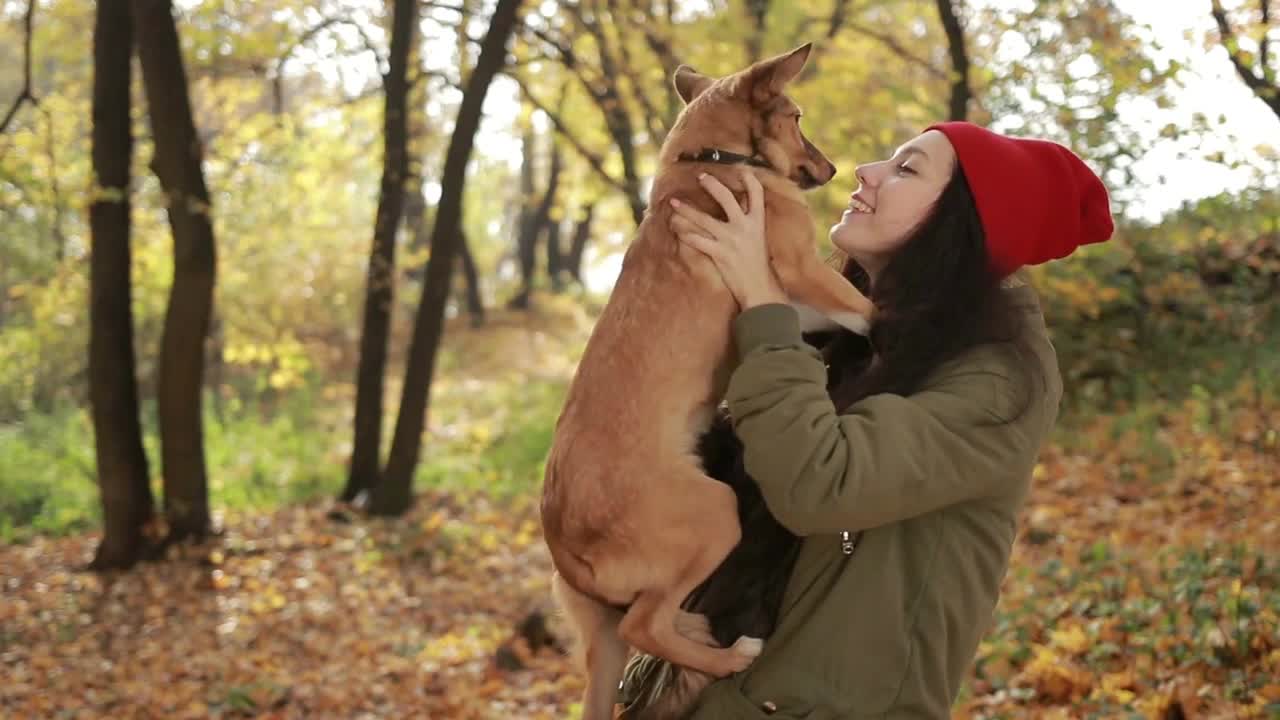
x=262 y=455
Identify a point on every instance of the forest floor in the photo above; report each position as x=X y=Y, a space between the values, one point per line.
x=1145 y=583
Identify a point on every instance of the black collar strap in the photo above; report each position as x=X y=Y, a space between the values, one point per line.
x=724 y=157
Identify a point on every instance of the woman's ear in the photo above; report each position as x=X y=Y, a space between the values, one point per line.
x=690 y=83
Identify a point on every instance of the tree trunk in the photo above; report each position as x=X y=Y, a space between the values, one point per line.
x=527 y=228
x=555 y=257
x=379 y=279
x=392 y=495
x=578 y=245
x=415 y=201
x=177 y=163
x=416 y=205
x=127 y=504
x=475 y=304
x=759 y=13
x=531 y=229
x=417 y=225
x=960 y=91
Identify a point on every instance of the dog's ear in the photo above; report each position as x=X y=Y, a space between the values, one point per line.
x=768 y=78
x=690 y=83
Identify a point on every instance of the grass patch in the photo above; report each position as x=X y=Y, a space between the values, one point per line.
x=491 y=437
x=47 y=476
x=48 y=479
x=487 y=432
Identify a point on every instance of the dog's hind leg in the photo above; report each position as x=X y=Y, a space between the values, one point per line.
x=696 y=627
x=596 y=626
x=651 y=622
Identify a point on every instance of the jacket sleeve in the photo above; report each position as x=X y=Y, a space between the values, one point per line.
x=888 y=457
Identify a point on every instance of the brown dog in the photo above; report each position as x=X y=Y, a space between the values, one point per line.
x=632 y=522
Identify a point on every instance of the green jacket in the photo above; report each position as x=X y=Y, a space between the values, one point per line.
x=934 y=482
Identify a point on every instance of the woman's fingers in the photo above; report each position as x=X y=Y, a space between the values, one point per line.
x=755 y=192
x=681 y=224
x=699 y=219
x=717 y=190
x=702 y=243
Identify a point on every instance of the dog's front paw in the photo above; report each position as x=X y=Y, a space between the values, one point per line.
x=746 y=649
x=853 y=322
x=811 y=320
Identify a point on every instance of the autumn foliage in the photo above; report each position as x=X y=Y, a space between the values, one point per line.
x=1145 y=581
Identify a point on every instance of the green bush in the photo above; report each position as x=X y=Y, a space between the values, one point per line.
x=48 y=477
x=490 y=437
x=1192 y=302
x=493 y=439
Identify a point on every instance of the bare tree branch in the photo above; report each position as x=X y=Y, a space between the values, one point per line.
x=836 y=21
x=564 y=53
x=593 y=159
x=960 y=91
x=758 y=10
x=659 y=44
x=434 y=5
x=1269 y=93
x=655 y=122
x=303 y=39
x=1264 y=43
x=424 y=74
x=26 y=94
x=604 y=93
x=839 y=14
x=617 y=118
x=839 y=19
x=897 y=48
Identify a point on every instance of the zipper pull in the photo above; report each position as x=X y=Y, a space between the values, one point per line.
x=847 y=543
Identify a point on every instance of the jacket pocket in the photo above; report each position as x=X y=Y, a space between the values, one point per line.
x=726 y=701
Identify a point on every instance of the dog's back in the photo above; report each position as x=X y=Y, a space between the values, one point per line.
x=645 y=388
x=629 y=516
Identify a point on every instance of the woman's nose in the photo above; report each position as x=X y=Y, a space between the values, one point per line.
x=864 y=174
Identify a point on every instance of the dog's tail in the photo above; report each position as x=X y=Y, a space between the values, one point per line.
x=597 y=645
x=655 y=689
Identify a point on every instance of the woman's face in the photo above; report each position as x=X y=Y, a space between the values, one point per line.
x=892 y=198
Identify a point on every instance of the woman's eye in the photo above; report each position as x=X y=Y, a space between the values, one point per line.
x=905 y=170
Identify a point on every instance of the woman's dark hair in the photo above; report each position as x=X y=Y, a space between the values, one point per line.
x=935 y=298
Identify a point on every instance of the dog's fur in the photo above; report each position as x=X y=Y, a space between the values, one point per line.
x=632 y=522
x=742 y=597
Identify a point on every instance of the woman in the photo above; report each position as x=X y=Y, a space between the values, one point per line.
x=900 y=460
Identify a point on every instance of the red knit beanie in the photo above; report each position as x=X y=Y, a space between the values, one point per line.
x=1038 y=201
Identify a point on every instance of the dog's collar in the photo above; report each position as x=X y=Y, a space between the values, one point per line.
x=724 y=157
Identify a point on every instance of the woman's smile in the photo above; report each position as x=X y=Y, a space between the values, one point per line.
x=860 y=205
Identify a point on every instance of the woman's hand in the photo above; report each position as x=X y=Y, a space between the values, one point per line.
x=737 y=247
